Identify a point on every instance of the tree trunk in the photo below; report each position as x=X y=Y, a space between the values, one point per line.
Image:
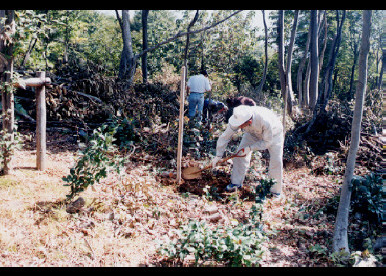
x=194 y=20
x=355 y=55
x=29 y=51
x=145 y=14
x=379 y=58
x=280 y=32
x=290 y=93
x=314 y=76
x=340 y=239
x=128 y=61
x=261 y=85
x=302 y=64
x=306 y=85
x=380 y=78
x=2 y=43
x=321 y=55
x=32 y=45
x=331 y=65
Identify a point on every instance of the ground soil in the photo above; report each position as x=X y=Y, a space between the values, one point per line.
x=126 y=217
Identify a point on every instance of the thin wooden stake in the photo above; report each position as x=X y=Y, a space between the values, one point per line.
x=41 y=122
x=181 y=124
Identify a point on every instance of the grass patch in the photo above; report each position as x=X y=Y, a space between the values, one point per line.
x=6 y=182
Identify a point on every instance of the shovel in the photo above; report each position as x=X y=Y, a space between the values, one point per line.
x=195 y=172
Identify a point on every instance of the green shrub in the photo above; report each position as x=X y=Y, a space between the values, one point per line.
x=264 y=188
x=239 y=244
x=8 y=147
x=366 y=197
x=125 y=133
x=96 y=160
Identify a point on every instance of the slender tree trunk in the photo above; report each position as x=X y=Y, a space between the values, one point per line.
x=33 y=43
x=2 y=16
x=378 y=83
x=280 y=32
x=380 y=78
x=331 y=66
x=29 y=51
x=306 y=91
x=194 y=20
x=355 y=55
x=321 y=55
x=290 y=93
x=261 y=85
x=340 y=239
x=302 y=64
x=145 y=14
x=66 y=39
x=314 y=76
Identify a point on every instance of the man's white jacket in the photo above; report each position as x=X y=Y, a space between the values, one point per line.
x=265 y=130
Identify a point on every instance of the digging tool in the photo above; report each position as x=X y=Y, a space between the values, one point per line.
x=195 y=172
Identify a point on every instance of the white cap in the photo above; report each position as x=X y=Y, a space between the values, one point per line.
x=241 y=114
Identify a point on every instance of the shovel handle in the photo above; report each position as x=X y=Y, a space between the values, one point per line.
x=232 y=156
x=223 y=160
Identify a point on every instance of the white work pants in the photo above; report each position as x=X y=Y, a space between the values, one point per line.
x=275 y=169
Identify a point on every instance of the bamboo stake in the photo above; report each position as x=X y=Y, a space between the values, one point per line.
x=41 y=121
x=181 y=124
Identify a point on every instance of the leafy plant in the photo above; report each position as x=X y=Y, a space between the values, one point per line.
x=366 y=197
x=235 y=245
x=264 y=188
x=96 y=160
x=8 y=147
x=125 y=134
x=331 y=167
x=317 y=250
x=239 y=244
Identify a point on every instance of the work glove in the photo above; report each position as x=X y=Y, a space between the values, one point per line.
x=215 y=161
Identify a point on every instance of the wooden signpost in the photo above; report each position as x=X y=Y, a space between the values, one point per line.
x=40 y=82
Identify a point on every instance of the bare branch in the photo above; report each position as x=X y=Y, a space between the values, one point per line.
x=180 y=34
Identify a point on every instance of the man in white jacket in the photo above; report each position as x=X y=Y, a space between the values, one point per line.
x=262 y=130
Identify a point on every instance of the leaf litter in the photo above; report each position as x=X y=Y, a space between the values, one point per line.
x=126 y=217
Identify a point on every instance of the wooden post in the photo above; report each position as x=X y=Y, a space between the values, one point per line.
x=181 y=124
x=41 y=122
